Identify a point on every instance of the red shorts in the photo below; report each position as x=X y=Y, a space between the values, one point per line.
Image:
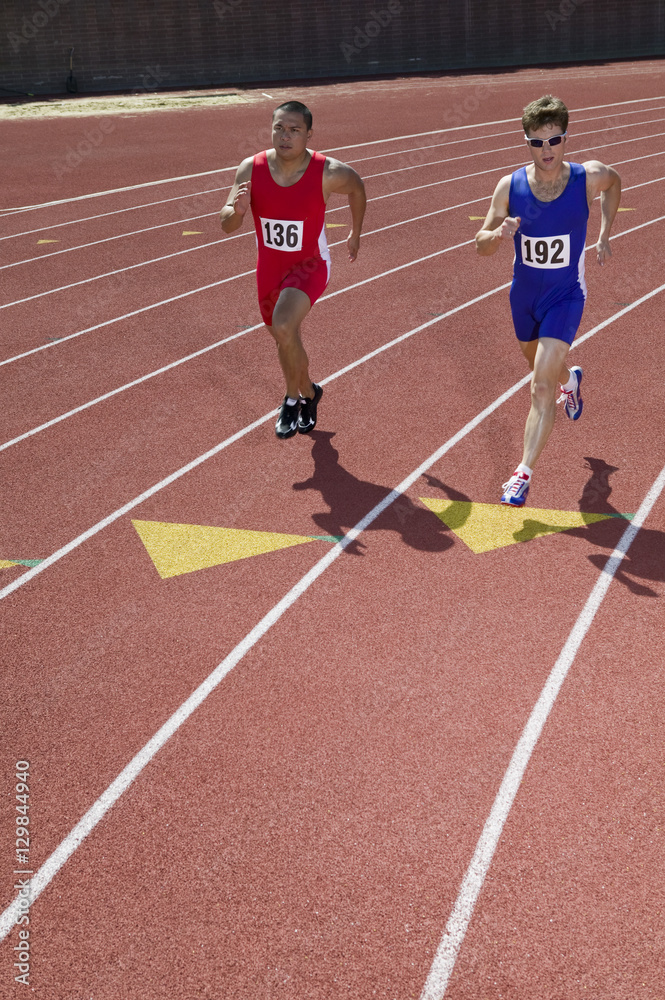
x=310 y=275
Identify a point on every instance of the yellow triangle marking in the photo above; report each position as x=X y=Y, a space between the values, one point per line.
x=6 y=563
x=625 y=210
x=39 y=242
x=335 y=225
x=192 y=232
x=487 y=526
x=476 y=218
x=184 y=548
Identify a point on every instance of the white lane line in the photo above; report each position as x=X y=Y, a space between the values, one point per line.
x=118 y=319
x=111 y=274
x=505 y=149
x=447 y=180
x=123 y=388
x=203 y=246
x=412 y=166
x=108 y=239
x=250 y=233
x=244 y=274
x=121 y=190
x=643 y=184
x=119 y=211
x=399 y=152
x=498 y=135
x=174 y=476
x=168 y=480
x=335 y=149
x=504 y=121
x=130 y=505
x=215 y=284
x=448 y=950
x=220 y=343
x=212 y=347
x=177 y=222
x=129 y=774
x=108 y=798
x=508 y=166
x=649 y=156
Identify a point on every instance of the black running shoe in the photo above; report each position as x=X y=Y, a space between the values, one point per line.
x=307 y=418
x=287 y=421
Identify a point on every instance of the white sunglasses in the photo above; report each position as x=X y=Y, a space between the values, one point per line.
x=554 y=141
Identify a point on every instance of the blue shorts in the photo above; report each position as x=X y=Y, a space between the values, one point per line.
x=560 y=319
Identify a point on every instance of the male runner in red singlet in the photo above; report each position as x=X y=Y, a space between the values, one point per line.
x=287 y=188
x=544 y=207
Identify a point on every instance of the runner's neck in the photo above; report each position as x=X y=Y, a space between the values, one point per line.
x=285 y=172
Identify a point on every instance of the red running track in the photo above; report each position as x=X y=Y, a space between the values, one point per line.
x=305 y=827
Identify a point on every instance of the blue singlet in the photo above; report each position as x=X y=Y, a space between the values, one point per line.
x=548 y=291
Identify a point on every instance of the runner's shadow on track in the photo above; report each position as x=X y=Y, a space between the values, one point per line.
x=645 y=559
x=350 y=499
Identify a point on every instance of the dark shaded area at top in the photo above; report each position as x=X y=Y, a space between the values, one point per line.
x=143 y=46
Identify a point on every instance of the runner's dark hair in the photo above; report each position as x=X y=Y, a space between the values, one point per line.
x=296 y=108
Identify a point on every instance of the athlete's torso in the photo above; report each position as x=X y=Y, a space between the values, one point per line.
x=549 y=245
x=289 y=220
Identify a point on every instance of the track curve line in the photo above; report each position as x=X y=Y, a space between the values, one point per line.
x=475 y=875
x=451 y=942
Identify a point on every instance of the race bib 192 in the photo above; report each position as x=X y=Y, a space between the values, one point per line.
x=546 y=251
x=281 y=235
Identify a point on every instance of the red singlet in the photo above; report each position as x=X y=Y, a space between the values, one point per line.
x=290 y=233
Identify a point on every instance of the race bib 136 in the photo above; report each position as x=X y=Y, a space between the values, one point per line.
x=279 y=234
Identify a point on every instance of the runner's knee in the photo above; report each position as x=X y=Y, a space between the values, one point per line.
x=543 y=390
x=284 y=330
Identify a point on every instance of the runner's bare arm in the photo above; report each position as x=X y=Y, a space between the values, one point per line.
x=237 y=203
x=339 y=178
x=498 y=223
x=605 y=181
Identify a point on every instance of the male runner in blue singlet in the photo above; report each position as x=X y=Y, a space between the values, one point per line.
x=545 y=207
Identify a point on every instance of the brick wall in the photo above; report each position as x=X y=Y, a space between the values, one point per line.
x=142 y=44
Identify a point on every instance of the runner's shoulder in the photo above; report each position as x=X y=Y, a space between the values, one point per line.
x=335 y=168
x=595 y=170
x=502 y=190
x=598 y=176
x=244 y=171
x=339 y=177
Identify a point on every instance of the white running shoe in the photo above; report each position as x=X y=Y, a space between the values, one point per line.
x=516 y=490
x=572 y=400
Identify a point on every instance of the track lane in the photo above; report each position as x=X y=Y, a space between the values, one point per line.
x=444 y=961
x=48 y=392
x=370 y=745
x=391 y=932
